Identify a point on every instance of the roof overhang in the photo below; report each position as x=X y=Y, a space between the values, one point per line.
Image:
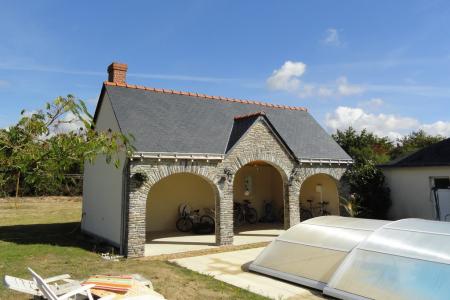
x=219 y=157
x=178 y=156
x=325 y=161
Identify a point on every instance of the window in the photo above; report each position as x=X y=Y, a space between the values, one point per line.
x=441 y=182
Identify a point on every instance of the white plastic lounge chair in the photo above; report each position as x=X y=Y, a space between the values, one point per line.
x=30 y=287
x=48 y=293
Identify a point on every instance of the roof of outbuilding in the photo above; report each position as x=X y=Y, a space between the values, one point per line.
x=437 y=154
x=182 y=122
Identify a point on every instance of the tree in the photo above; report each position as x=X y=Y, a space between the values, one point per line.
x=367 y=185
x=365 y=180
x=364 y=146
x=35 y=153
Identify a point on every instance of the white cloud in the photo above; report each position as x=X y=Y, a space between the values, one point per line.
x=340 y=88
x=29 y=113
x=332 y=37
x=346 y=89
x=68 y=123
x=287 y=77
x=439 y=127
x=390 y=125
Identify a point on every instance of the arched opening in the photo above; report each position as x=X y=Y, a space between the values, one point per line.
x=262 y=185
x=319 y=196
x=163 y=210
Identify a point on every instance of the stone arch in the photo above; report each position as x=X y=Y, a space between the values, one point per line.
x=284 y=168
x=166 y=196
x=284 y=164
x=136 y=218
x=298 y=175
x=162 y=170
x=269 y=183
x=306 y=171
x=329 y=180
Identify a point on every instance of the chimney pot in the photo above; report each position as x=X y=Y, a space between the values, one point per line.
x=117 y=72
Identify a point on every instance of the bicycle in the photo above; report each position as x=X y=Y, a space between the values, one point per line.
x=243 y=212
x=211 y=212
x=323 y=211
x=269 y=213
x=188 y=219
x=308 y=213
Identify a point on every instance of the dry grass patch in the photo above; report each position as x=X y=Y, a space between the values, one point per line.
x=43 y=233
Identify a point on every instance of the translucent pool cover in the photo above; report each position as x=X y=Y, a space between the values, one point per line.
x=351 y=258
x=407 y=259
x=311 y=251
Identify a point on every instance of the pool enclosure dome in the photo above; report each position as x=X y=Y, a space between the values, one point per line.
x=352 y=258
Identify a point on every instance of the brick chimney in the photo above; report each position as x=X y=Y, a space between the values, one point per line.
x=117 y=72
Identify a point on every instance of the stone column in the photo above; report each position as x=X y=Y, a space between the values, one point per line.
x=224 y=211
x=225 y=233
x=293 y=203
x=136 y=214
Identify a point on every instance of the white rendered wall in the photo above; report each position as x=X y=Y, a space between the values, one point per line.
x=411 y=191
x=102 y=187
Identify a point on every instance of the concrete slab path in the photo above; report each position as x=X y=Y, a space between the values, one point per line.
x=232 y=268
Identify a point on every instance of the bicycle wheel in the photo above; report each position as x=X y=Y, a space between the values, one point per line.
x=325 y=213
x=184 y=224
x=251 y=216
x=238 y=217
x=305 y=215
x=208 y=221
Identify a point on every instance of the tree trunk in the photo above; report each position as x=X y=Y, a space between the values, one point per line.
x=17 y=184
x=17 y=189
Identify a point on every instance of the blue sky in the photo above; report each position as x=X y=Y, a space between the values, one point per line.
x=381 y=65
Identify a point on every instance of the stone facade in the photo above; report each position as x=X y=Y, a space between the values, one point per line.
x=259 y=143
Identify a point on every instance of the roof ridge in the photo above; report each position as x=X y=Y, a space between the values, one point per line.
x=166 y=91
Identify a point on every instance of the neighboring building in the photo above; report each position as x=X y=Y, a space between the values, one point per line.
x=206 y=151
x=418 y=180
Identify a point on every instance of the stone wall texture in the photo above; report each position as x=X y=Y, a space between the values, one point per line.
x=259 y=143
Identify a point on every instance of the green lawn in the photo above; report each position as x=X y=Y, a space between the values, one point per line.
x=44 y=235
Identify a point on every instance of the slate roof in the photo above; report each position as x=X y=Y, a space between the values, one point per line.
x=437 y=154
x=168 y=121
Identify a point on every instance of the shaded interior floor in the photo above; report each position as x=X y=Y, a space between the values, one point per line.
x=159 y=243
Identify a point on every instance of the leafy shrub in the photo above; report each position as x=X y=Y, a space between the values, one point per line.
x=365 y=180
x=38 y=154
